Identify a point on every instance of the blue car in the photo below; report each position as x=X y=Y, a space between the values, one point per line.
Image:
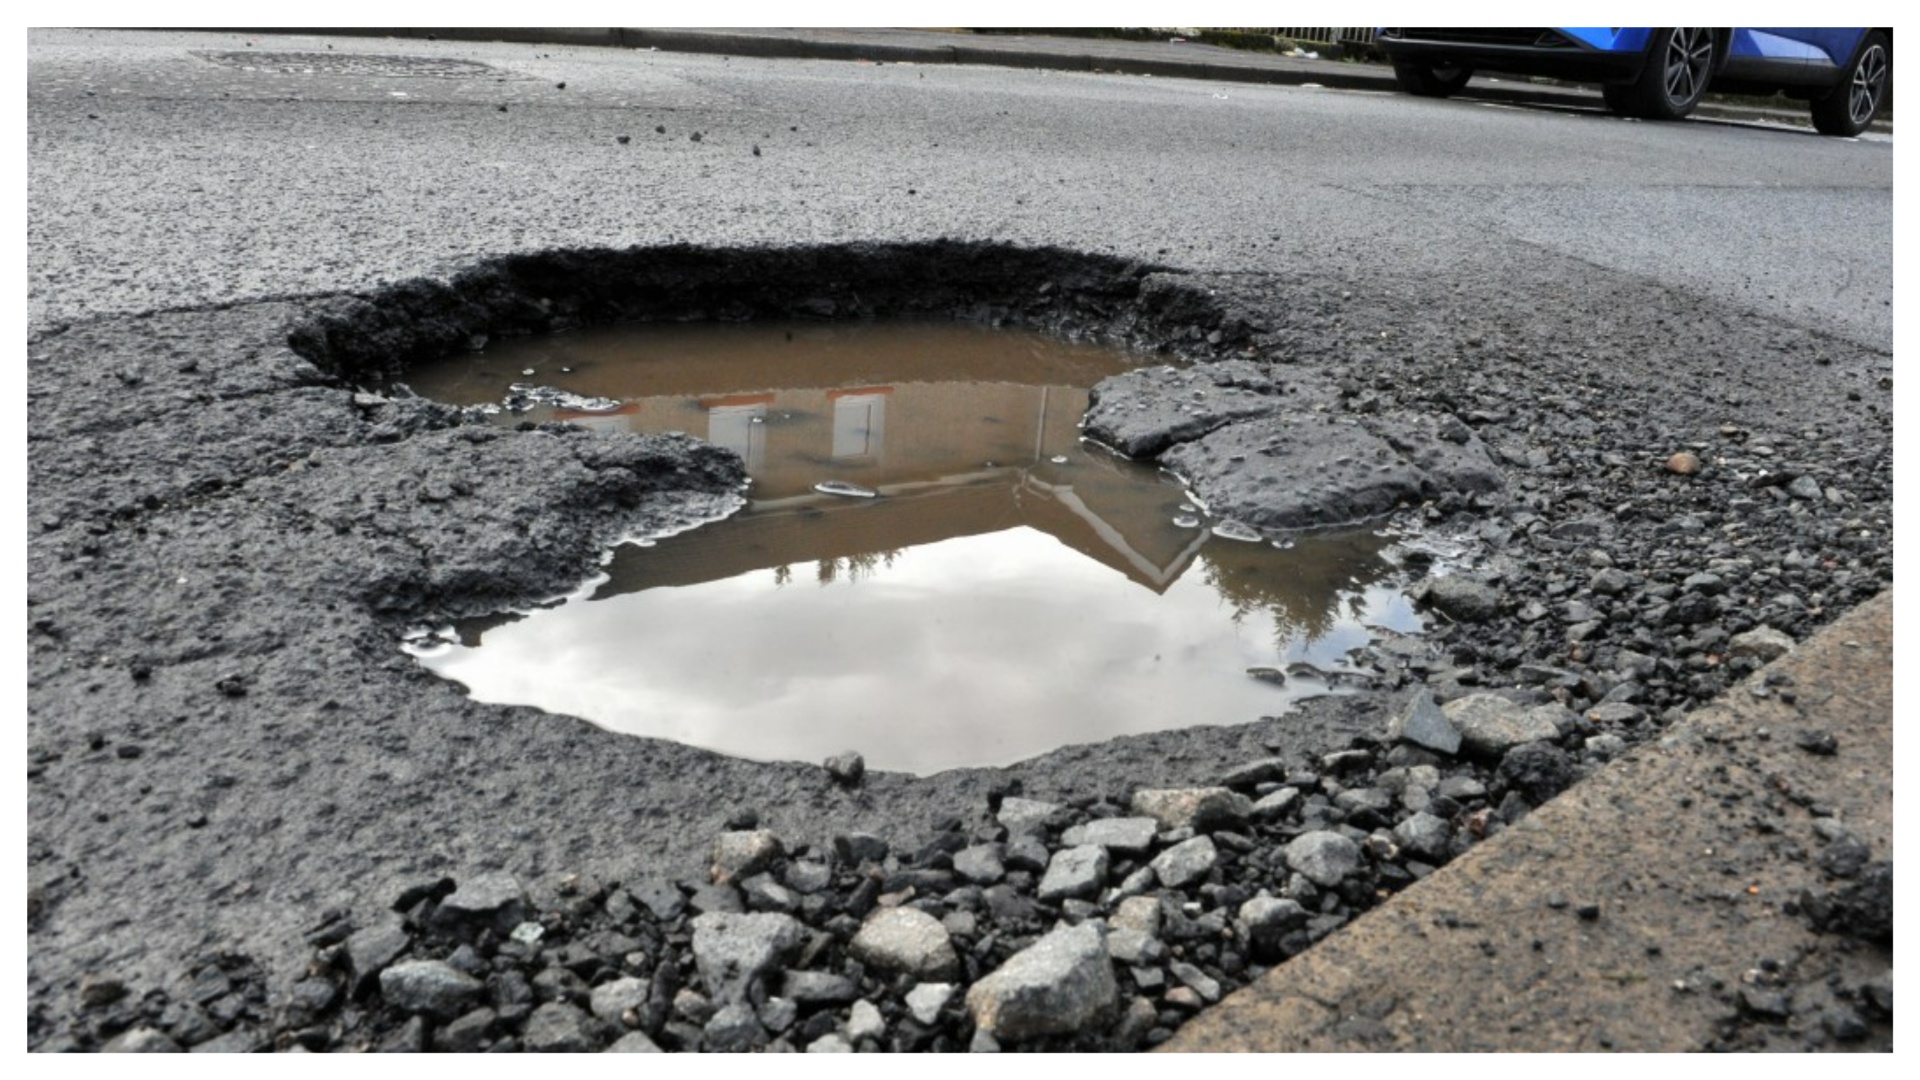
x=1844 y=74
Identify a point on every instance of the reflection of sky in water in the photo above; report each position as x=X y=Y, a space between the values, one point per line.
x=979 y=650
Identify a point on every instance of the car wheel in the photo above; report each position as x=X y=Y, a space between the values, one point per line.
x=1852 y=104
x=1431 y=80
x=1674 y=78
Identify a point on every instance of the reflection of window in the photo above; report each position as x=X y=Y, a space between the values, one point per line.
x=859 y=423
x=739 y=425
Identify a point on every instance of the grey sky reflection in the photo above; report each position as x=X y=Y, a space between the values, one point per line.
x=979 y=650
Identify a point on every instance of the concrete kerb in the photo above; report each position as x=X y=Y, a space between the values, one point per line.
x=1629 y=913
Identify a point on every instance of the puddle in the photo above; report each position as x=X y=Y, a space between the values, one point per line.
x=933 y=569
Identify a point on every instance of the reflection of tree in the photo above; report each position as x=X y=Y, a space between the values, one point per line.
x=1304 y=587
x=852 y=568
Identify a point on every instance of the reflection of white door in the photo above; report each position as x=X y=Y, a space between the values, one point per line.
x=859 y=425
x=741 y=429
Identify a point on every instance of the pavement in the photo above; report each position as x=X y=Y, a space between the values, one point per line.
x=1159 y=59
x=1610 y=918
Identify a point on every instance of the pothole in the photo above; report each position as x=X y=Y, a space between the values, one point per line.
x=933 y=566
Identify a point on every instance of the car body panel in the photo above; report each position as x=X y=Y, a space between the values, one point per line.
x=1804 y=62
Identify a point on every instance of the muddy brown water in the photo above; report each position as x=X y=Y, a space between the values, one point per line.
x=985 y=587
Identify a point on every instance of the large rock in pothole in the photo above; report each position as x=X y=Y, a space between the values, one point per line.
x=1063 y=982
x=909 y=940
x=1143 y=412
x=1299 y=470
x=1490 y=725
x=734 y=951
x=740 y=855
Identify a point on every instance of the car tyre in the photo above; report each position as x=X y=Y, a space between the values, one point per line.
x=1680 y=62
x=1431 y=80
x=1853 y=104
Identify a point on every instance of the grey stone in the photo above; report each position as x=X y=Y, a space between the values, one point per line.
x=610 y=1001
x=1145 y=411
x=979 y=864
x=1140 y=913
x=433 y=987
x=1616 y=712
x=1422 y=723
x=1192 y=808
x=1186 y=862
x=1130 y=946
x=468 y=1034
x=819 y=987
x=1075 y=872
x=778 y=1014
x=1028 y=852
x=1463 y=599
x=830 y=1043
x=735 y=1028
x=1537 y=770
x=1461 y=788
x=1324 y=856
x=1255 y=772
x=1063 y=982
x=762 y=893
x=141 y=1040
x=805 y=876
x=634 y=1042
x=908 y=940
x=848 y=768
x=737 y=855
x=1125 y=835
x=1203 y=984
x=925 y=1001
x=1606 y=747
x=693 y=1006
x=1307 y=469
x=1274 y=804
x=560 y=1028
x=865 y=1022
x=1425 y=837
x=374 y=947
x=1490 y=725
x=854 y=849
x=1025 y=815
x=1266 y=921
x=1762 y=643
x=1610 y=582
x=1804 y=487
x=488 y=893
x=734 y=951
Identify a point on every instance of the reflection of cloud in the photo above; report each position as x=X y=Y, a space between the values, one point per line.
x=978 y=650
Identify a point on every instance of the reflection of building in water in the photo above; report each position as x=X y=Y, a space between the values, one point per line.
x=961 y=459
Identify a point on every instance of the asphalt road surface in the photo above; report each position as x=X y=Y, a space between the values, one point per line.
x=223 y=541
x=161 y=178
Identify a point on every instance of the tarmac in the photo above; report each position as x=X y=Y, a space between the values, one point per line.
x=1168 y=59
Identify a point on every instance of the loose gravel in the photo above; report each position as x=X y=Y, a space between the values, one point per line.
x=1588 y=593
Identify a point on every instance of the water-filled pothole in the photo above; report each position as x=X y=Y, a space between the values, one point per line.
x=933 y=567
